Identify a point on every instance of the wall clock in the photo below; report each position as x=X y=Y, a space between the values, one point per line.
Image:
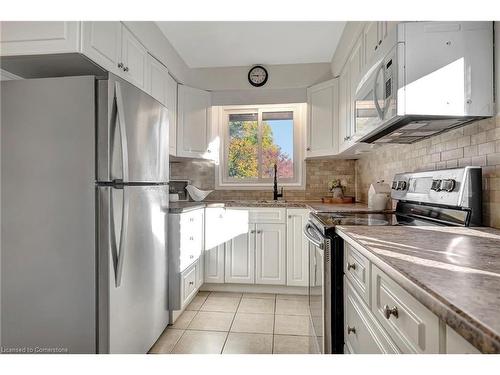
x=257 y=76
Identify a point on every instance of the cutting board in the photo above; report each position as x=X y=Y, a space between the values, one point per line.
x=344 y=200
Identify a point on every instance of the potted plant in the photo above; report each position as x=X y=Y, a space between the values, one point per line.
x=337 y=189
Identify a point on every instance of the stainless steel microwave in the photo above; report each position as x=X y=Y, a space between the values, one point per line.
x=426 y=78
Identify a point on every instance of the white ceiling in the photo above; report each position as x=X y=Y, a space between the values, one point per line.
x=218 y=44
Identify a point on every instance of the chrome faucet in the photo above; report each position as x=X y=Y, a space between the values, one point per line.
x=276 y=195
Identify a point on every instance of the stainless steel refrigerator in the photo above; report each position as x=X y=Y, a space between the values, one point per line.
x=84 y=200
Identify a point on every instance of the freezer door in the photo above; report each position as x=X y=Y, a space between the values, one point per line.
x=132 y=238
x=132 y=135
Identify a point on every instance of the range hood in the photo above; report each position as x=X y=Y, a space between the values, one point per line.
x=427 y=78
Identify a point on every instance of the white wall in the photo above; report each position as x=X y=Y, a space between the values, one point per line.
x=287 y=83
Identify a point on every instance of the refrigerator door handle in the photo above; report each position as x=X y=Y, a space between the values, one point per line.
x=118 y=251
x=123 y=132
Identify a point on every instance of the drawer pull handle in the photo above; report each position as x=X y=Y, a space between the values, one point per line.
x=191 y=219
x=351 y=330
x=388 y=312
x=191 y=256
x=191 y=282
x=351 y=266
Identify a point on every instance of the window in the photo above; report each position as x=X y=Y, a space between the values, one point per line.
x=255 y=139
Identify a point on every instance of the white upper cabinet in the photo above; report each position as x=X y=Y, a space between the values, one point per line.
x=348 y=81
x=34 y=38
x=193 y=127
x=157 y=80
x=374 y=34
x=297 y=248
x=322 y=130
x=270 y=254
x=172 y=113
x=134 y=59
x=101 y=42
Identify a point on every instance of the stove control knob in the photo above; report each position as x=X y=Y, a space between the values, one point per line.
x=394 y=185
x=447 y=185
x=401 y=185
x=436 y=185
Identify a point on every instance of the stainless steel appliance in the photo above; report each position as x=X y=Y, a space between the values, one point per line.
x=84 y=210
x=425 y=78
x=450 y=197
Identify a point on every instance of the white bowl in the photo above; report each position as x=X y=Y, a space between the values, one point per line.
x=197 y=194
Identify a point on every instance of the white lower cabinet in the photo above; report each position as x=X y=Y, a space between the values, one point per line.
x=214 y=264
x=185 y=254
x=297 y=248
x=456 y=344
x=361 y=333
x=240 y=258
x=381 y=317
x=270 y=254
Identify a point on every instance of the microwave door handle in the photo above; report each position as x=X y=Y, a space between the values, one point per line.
x=375 y=99
x=123 y=132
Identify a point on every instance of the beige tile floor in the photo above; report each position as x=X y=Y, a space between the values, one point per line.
x=240 y=323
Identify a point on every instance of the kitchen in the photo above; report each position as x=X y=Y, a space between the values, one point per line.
x=227 y=197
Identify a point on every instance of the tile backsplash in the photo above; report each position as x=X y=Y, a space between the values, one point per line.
x=319 y=173
x=475 y=144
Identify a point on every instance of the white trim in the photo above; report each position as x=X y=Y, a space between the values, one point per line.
x=299 y=110
x=254 y=288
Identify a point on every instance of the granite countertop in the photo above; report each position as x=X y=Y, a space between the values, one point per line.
x=183 y=206
x=455 y=272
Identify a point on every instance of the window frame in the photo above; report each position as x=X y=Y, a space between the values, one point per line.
x=223 y=181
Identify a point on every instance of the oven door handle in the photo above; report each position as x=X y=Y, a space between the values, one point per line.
x=312 y=235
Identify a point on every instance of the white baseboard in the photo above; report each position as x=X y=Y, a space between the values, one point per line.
x=250 y=288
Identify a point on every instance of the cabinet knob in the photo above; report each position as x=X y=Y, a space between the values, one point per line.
x=308 y=149
x=191 y=282
x=351 y=266
x=252 y=231
x=351 y=330
x=259 y=231
x=388 y=312
x=191 y=219
x=289 y=216
x=125 y=69
x=191 y=256
x=191 y=238
x=209 y=151
x=120 y=65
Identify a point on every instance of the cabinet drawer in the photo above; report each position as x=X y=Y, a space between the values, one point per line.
x=357 y=270
x=191 y=237
x=361 y=334
x=413 y=327
x=267 y=215
x=188 y=284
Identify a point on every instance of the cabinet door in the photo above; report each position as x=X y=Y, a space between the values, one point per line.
x=214 y=264
x=371 y=38
x=323 y=119
x=270 y=254
x=134 y=59
x=344 y=109
x=240 y=258
x=193 y=122
x=172 y=114
x=356 y=64
x=101 y=42
x=297 y=249
x=156 y=80
x=35 y=37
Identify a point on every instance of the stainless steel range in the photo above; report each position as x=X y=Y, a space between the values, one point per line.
x=450 y=197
